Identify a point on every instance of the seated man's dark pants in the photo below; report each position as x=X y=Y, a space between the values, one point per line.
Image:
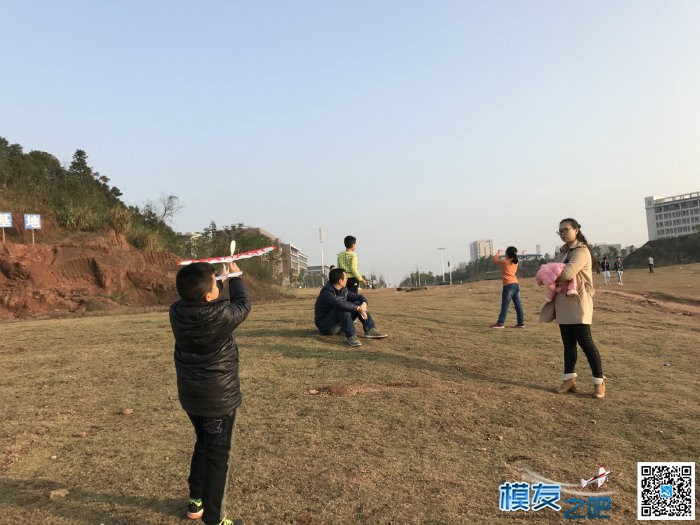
x=337 y=320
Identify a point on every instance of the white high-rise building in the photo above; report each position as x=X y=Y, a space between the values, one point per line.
x=672 y=216
x=479 y=249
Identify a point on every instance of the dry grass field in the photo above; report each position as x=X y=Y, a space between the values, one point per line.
x=422 y=427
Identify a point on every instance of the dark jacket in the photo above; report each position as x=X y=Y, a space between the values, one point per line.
x=332 y=299
x=206 y=354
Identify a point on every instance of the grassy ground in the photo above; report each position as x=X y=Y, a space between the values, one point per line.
x=420 y=428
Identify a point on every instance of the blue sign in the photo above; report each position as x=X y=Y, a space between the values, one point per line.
x=5 y=219
x=32 y=221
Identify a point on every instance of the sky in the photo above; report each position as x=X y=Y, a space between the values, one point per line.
x=412 y=125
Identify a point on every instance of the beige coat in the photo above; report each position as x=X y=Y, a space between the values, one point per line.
x=575 y=309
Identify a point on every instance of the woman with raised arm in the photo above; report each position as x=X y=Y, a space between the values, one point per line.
x=574 y=313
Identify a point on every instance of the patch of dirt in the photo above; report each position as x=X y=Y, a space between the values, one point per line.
x=95 y=274
x=671 y=304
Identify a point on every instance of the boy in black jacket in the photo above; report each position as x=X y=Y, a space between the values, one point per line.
x=206 y=363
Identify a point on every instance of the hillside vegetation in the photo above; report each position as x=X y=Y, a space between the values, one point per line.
x=667 y=252
x=78 y=202
x=76 y=199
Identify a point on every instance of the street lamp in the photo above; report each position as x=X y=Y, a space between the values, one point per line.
x=442 y=259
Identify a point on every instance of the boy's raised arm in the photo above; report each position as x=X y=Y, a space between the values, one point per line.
x=239 y=308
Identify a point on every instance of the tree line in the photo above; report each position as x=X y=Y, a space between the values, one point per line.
x=80 y=199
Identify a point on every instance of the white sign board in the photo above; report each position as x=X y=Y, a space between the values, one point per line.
x=32 y=221
x=5 y=219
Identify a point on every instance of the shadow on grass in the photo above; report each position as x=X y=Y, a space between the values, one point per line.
x=80 y=505
x=370 y=352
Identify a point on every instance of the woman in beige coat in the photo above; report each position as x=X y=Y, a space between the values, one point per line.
x=574 y=314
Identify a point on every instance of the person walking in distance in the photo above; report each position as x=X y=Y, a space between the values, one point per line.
x=619 y=269
x=605 y=266
x=650 y=261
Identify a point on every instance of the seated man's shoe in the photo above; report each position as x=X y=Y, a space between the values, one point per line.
x=568 y=384
x=373 y=333
x=195 y=509
x=353 y=341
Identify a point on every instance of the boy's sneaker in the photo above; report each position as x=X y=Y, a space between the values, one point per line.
x=497 y=325
x=353 y=341
x=227 y=521
x=195 y=509
x=375 y=334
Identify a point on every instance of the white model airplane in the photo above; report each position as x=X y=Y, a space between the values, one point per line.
x=230 y=258
x=601 y=477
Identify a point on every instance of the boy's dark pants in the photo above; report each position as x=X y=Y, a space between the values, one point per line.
x=337 y=320
x=353 y=285
x=210 y=463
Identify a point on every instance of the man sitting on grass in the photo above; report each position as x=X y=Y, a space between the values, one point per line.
x=337 y=308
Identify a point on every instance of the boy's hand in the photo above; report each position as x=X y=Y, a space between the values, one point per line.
x=233 y=268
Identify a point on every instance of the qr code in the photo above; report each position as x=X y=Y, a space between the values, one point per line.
x=665 y=491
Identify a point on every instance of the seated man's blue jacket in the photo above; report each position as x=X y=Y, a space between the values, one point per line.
x=332 y=299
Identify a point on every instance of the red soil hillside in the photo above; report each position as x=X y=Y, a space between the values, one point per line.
x=74 y=276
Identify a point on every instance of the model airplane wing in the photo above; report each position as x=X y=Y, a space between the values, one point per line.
x=231 y=258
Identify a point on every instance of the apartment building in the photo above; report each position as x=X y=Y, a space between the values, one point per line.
x=672 y=216
x=479 y=249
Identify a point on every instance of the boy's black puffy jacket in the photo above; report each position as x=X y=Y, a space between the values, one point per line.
x=206 y=354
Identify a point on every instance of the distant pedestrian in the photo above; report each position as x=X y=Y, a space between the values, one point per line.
x=619 y=269
x=650 y=261
x=605 y=266
x=511 y=287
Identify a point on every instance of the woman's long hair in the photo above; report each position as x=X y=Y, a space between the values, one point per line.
x=512 y=254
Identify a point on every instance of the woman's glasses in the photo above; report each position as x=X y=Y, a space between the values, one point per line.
x=563 y=232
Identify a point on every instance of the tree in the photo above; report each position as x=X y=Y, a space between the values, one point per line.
x=79 y=165
x=164 y=210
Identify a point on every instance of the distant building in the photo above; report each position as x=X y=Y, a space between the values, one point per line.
x=479 y=249
x=191 y=240
x=318 y=270
x=260 y=231
x=293 y=262
x=672 y=216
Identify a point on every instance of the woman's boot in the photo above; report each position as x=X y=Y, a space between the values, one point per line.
x=599 y=387
x=568 y=383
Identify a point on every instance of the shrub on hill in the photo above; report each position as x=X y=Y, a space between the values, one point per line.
x=74 y=199
x=666 y=252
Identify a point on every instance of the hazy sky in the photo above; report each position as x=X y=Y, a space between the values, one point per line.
x=411 y=125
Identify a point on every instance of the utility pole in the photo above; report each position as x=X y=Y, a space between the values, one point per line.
x=442 y=259
x=323 y=266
